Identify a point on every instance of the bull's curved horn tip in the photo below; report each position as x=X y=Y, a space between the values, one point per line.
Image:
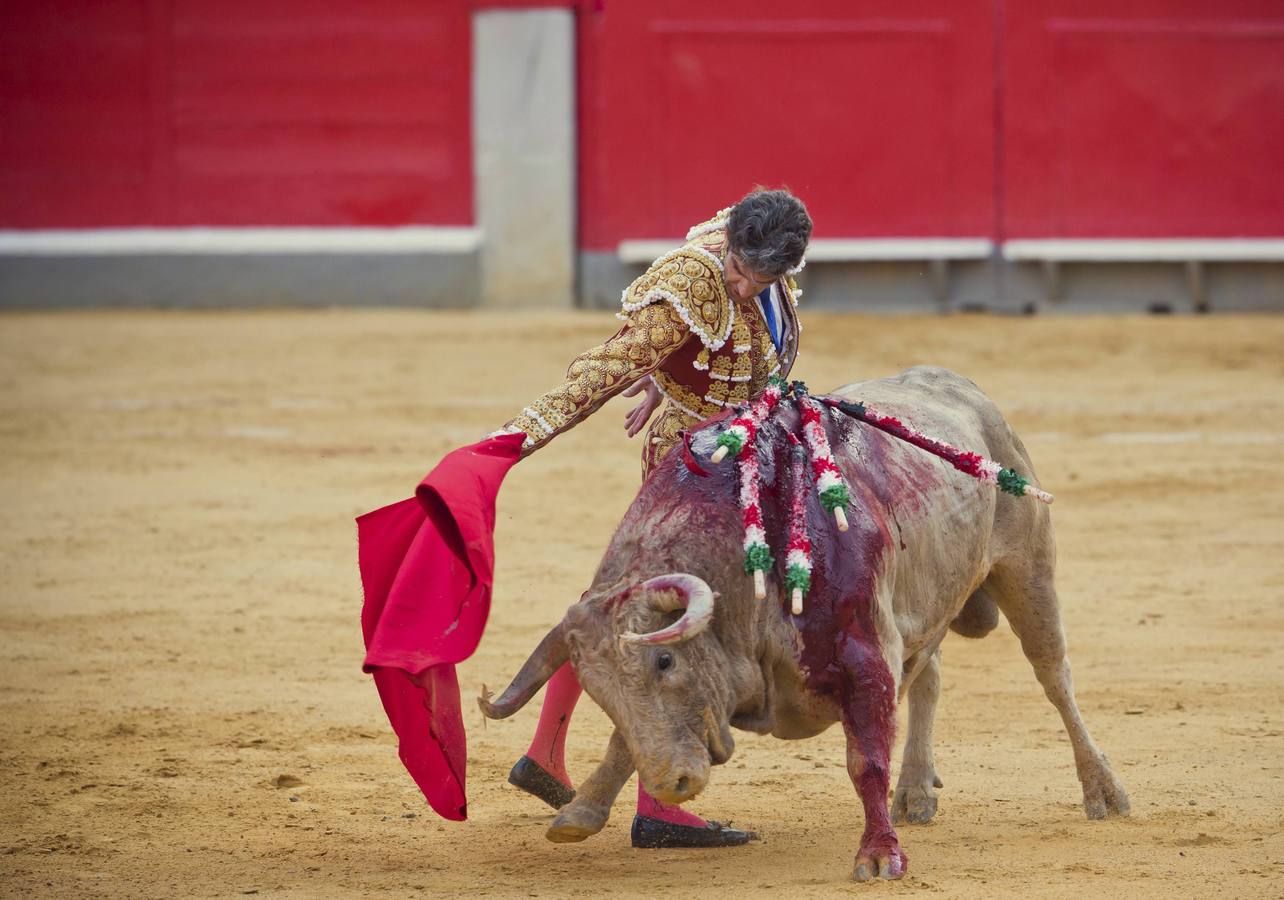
x=699 y=609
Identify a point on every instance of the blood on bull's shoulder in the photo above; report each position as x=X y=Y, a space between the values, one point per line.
x=671 y=641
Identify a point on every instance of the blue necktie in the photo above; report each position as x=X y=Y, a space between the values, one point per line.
x=764 y=300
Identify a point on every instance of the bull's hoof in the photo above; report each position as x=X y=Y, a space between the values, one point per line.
x=577 y=822
x=888 y=864
x=656 y=834
x=1104 y=796
x=915 y=801
x=531 y=777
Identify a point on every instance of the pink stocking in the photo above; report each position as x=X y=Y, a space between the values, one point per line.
x=653 y=808
x=548 y=746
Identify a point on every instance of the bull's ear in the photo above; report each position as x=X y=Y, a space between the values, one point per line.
x=578 y=614
x=548 y=657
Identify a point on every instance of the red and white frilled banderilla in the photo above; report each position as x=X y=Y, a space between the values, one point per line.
x=740 y=439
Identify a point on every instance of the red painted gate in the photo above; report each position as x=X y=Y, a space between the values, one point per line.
x=231 y=112
x=879 y=113
x=1142 y=118
x=900 y=118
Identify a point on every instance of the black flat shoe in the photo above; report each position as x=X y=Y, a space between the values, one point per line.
x=531 y=777
x=654 y=834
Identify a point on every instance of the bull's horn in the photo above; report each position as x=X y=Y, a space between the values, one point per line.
x=548 y=657
x=693 y=594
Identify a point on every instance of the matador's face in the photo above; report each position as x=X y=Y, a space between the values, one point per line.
x=742 y=282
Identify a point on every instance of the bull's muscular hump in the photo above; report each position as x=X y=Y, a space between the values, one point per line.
x=923 y=539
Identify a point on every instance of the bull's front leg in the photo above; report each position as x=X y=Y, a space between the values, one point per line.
x=586 y=815
x=869 y=720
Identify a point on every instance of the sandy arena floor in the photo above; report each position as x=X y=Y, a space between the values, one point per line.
x=182 y=710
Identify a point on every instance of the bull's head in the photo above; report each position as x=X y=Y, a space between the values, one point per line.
x=647 y=655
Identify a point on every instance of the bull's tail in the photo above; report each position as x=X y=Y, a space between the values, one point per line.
x=979 y=616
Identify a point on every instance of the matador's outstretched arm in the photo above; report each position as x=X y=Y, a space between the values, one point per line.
x=650 y=335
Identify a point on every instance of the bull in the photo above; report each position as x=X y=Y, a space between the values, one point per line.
x=670 y=641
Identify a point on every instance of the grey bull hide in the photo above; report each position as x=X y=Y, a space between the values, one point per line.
x=670 y=641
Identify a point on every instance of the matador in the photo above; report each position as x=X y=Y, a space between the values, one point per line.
x=704 y=328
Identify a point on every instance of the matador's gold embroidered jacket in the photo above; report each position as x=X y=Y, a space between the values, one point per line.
x=704 y=350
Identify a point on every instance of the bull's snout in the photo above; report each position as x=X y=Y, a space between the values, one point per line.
x=678 y=784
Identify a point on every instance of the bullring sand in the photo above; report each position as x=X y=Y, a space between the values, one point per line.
x=182 y=710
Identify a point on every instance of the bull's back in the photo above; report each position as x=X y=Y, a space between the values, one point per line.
x=956 y=528
x=940 y=403
x=944 y=405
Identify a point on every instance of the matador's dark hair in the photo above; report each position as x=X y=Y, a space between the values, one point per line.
x=769 y=230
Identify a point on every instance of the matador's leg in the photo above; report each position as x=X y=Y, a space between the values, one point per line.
x=542 y=771
x=657 y=824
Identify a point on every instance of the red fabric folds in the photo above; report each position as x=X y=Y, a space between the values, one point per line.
x=427 y=564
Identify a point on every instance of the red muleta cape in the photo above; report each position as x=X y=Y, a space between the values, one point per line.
x=426 y=568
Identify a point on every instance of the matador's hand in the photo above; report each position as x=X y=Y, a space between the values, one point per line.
x=637 y=417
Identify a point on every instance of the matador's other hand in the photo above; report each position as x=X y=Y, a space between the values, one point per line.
x=636 y=418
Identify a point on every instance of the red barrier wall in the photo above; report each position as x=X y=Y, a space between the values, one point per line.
x=1142 y=118
x=879 y=113
x=999 y=118
x=199 y=112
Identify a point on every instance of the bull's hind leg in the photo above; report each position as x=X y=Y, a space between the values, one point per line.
x=915 y=797
x=586 y=815
x=1029 y=601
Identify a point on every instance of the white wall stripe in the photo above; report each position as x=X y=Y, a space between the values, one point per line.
x=232 y=241
x=1055 y=249
x=450 y=239
x=1147 y=250
x=842 y=249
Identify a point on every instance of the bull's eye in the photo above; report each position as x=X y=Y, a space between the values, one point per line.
x=664 y=661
